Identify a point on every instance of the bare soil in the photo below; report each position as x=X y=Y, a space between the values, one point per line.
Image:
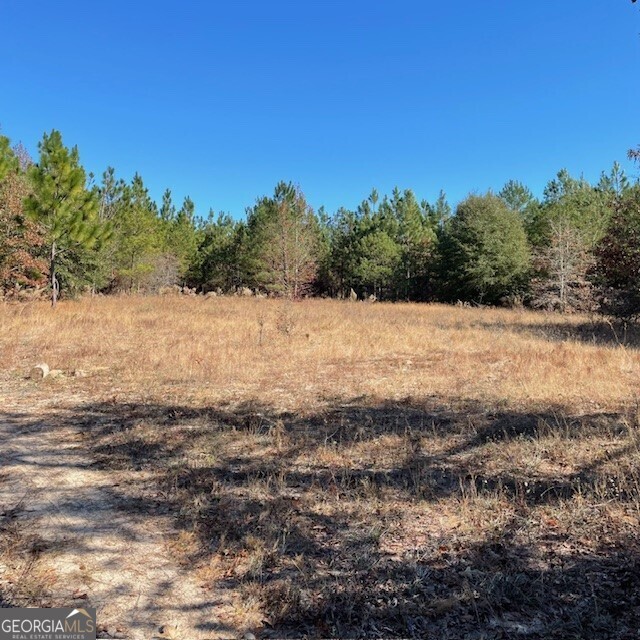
x=77 y=535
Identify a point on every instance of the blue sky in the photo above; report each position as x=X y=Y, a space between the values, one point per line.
x=220 y=100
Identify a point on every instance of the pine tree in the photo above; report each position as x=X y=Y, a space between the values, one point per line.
x=380 y=258
x=110 y=194
x=217 y=262
x=283 y=238
x=182 y=237
x=577 y=203
x=344 y=236
x=615 y=182
x=62 y=204
x=138 y=237
x=618 y=257
x=8 y=160
x=167 y=209
x=437 y=213
x=416 y=237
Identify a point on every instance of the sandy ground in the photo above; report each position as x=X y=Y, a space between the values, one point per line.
x=93 y=547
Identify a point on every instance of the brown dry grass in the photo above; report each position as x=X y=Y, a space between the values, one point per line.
x=200 y=350
x=378 y=470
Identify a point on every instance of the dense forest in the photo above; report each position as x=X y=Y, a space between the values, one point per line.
x=62 y=232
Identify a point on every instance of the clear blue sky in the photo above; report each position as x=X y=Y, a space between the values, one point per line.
x=220 y=100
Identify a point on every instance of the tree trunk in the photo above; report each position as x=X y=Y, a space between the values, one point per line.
x=54 y=280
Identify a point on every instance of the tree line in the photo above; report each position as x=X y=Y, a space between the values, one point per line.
x=64 y=232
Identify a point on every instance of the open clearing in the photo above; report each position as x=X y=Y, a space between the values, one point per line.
x=321 y=468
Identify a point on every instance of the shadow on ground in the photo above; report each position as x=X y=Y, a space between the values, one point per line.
x=326 y=524
x=601 y=332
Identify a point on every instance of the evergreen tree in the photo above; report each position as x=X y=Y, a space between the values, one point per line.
x=520 y=199
x=575 y=203
x=324 y=281
x=182 y=239
x=61 y=203
x=517 y=196
x=283 y=243
x=167 y=209
x=8 y=160
x=618 y=257
x=437 y=213
x=110 y=194
x=138 y=237
x=416 y=237
x=343 y=231
x=564 y=230
x=484 y=251
x=615 y=182
x=379 y=259
x=217 y=264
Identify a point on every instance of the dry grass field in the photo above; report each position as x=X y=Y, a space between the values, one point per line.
x=335 y=469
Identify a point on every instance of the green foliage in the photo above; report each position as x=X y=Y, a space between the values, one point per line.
x=62 y=205
x=520 y=199
x=343 y=233
x=484 y=251
x=114 y=236
x=415 y=234
x=324 y=279
x=8 y=160
x=618 y=257
x=167 y=209
x=60 y=201
x=615 y=183
x=564 y=231
x=379 y=259
x=218 y=263
x=138 y=237
x=576 y=202
x=516 y=196
x=385 y=250
x=181 y=235
x=282 y=243
x=437 y=213
x=110 y=194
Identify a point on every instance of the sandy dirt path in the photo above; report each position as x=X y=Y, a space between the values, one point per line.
x=92 y=547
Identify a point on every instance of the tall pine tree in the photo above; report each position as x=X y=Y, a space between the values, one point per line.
x=60 y=201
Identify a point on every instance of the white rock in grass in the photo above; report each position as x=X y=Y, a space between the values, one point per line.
x=40 y=371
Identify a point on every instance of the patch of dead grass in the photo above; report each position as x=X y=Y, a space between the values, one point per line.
x=373 y=470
